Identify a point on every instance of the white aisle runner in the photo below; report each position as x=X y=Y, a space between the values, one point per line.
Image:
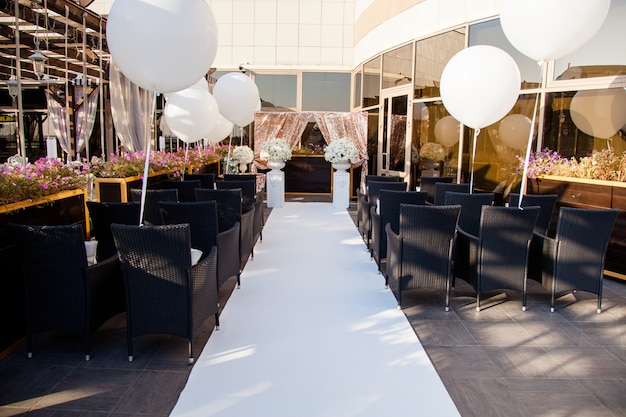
x=312 y=332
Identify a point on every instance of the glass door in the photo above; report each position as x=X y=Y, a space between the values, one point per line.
x=394 y=135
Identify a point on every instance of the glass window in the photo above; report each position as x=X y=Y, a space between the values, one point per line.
x=574 y=127
x=602 y=55
x=491 y=33
x=357 y=88
x=431 y=56
x=371 y=82
x=397 y=66
x=325 y=91
x=278 y=90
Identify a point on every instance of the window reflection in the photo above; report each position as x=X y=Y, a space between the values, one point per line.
x=397 y=66
x=431 y=56
x=601 y=56
x=578 y=123
x=371 y=82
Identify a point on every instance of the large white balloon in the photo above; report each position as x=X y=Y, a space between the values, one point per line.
x=220 y=131
x=514 y=131
x=480 y=85
x=162 y=45
x=191 y=114
x=549 y=29
x=447 y=131
x=238 y=98
x=599 y=113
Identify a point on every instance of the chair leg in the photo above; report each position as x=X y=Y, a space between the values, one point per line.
x=552 y=302
x=477 y=301
x=190 y=352
x=29 y=345
x=239 y=280
x=217 y=321
x=129 y=342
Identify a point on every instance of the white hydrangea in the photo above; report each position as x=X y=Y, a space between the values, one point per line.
x=243 y=154
x=340 y=150
x=275 y=149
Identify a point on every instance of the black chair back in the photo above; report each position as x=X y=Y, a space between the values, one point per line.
x=102 y=215
x=471 y=210
x=206 y=180
x=427 y=184
x=546 y=202
x=248 y=190
x=185 y=188
x=229 y=206
x=152 y=212
x=201 y=217
x=441 y=188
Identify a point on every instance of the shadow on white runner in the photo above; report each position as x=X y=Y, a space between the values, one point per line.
x=312 y=332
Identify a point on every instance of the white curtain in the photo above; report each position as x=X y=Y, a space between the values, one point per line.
x=90 y=105
x=59 y=121
x=131 y=108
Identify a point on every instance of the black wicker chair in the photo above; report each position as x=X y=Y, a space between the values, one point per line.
x=186 y=188
x=427 y=184
x=419 y=256
x=389 y=213
x=361 y=195
x=373 y=191
x=250 y=198
x=206 y=180
x=497 y=257
x=62 y=292
x=164 y=292
x=574 y=259
x=441 y=188
x=102 y=215
x=471 y=208
x=546 y=202
x=151 y=211
x=202 y=219
x=229 y=212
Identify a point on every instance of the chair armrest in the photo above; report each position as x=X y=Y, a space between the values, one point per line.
x=203 y=287
x=228 y=256
x=105 y=285
x=394 y=254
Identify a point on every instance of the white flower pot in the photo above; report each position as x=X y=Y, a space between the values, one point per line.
x=276 y=164
x=341 y=166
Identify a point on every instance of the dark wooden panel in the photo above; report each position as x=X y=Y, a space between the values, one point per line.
x=308 y=174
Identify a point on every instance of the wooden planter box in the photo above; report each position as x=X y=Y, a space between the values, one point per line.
x=67 y=207
x=592 y=194
x=212 y=168
x=118 y=189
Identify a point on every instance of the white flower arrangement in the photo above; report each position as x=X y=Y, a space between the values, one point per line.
x=433 y=151
x=243 y=154
x=275 y=149
x=341 y=150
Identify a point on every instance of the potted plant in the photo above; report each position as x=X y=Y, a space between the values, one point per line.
x=341 y=152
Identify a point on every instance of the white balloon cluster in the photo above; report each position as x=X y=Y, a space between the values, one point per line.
x=168 y=46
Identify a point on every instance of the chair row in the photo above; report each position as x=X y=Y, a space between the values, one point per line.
x=490 y=247
x=154 y=280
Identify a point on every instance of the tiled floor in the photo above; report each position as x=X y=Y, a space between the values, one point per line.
x=497 y=362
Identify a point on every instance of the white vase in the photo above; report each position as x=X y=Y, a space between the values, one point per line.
x=341 y=166
x=243 y=168
x=276 y=164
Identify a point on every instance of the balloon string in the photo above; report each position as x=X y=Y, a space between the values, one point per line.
x=476 y=133
x=186 y=159
x=529 y=145
x=146 y=166
x=230 y=140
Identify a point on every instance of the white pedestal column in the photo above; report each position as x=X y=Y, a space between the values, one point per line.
x=341 y=189
x=275 y=186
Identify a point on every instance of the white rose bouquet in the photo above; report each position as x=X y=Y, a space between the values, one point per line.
x=275 y=149
x=341 y=150
x=243 y=154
